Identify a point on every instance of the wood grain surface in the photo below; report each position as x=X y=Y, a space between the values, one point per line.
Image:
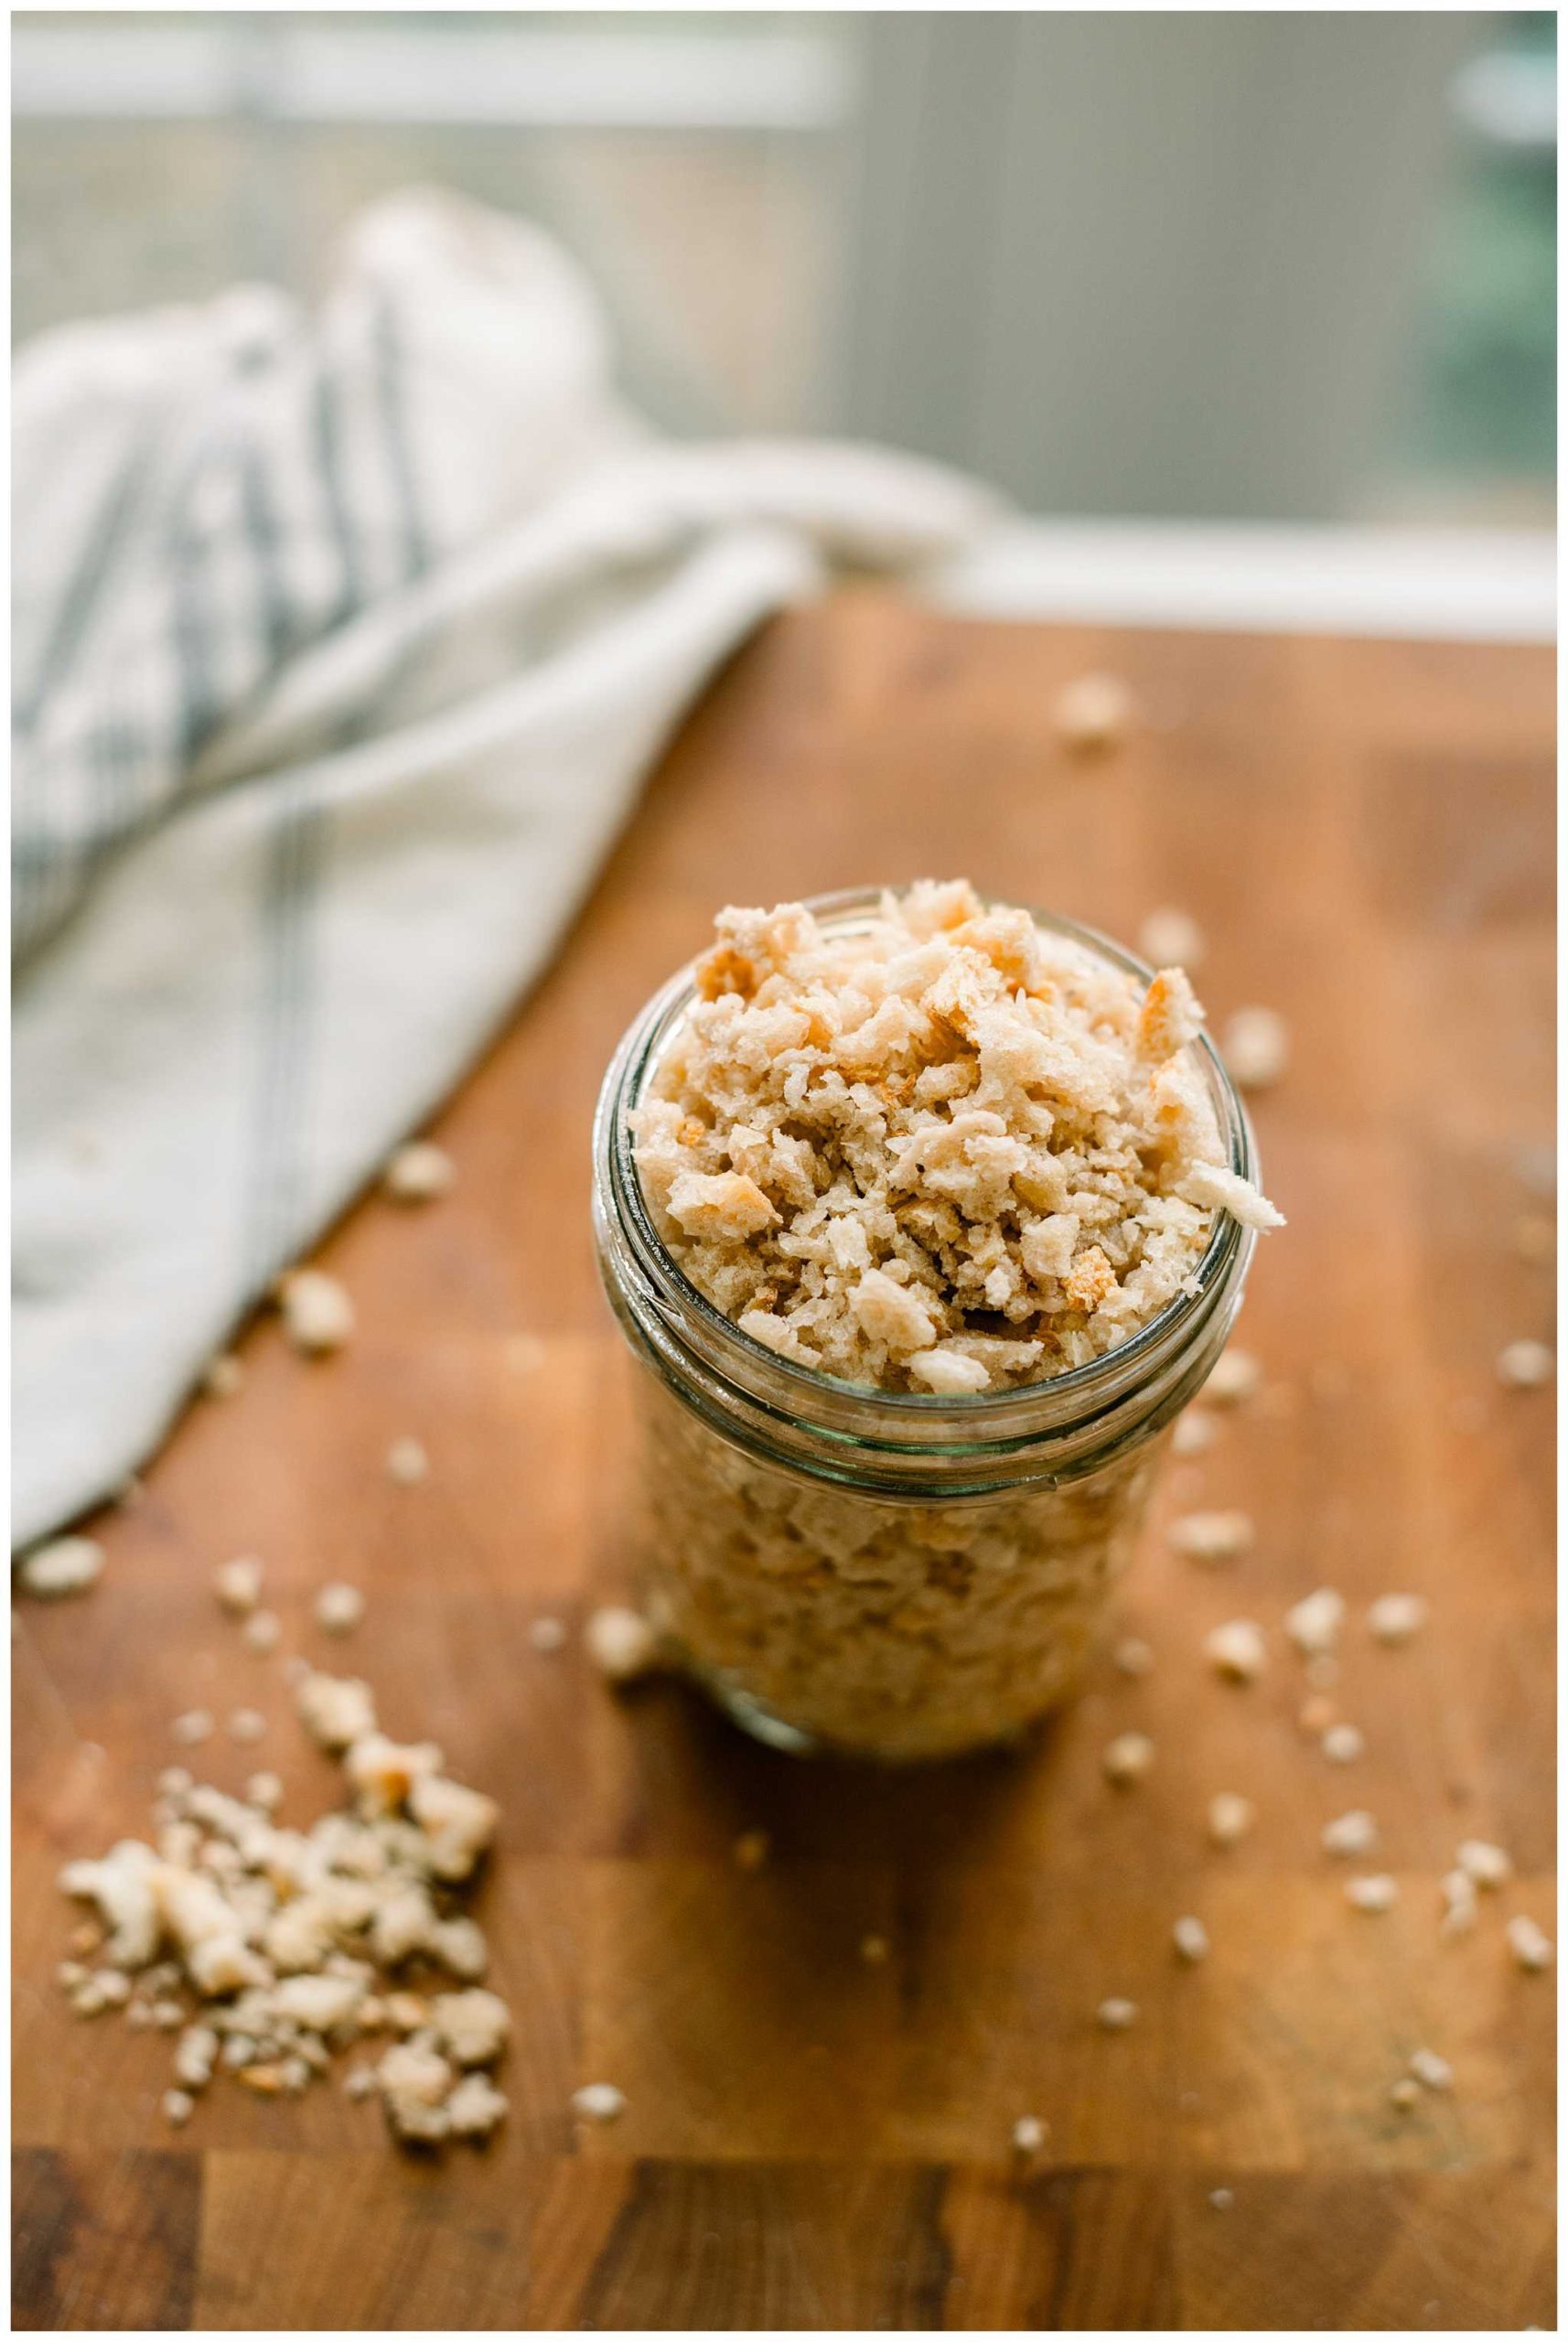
x=1363 y=831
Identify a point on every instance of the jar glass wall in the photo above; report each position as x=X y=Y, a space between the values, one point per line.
x=886 y=1573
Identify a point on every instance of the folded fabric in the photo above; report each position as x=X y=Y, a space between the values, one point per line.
x=342 y=647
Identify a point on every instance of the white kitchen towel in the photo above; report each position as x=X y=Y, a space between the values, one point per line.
x=342 y=647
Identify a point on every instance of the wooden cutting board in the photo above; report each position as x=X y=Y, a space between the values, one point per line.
x=1364 y=832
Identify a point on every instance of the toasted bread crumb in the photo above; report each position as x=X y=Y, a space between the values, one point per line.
x=65 y=1565
x=1393 y=1619
x=1255 y=1046
x=238 y=1585
x=263 y=1630
x=1093 y=714
x=1170 y=938
x=407 y=1462
x=598 y=2102
x=1460 y=1909
x=418 y=1173
x=1350 y=1835
x=1230 y=1817
x=1128 y=1759
x=1314 y=1622
x=1236 y=1378
x=318 y=1315
x=1532 y=1949
x=1212 y=1537
x=1376 y=1893
x=1237 y=1651
x=1488 y=1864
x=622 y=1643
x=1524 y=1366
x=339 y=1609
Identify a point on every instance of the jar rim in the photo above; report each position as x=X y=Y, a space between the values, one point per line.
x=1012 y=1416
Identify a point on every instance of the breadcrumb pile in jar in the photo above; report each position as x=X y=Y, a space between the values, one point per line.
x=925 y=1215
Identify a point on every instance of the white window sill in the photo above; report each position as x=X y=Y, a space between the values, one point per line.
x=1489 y=586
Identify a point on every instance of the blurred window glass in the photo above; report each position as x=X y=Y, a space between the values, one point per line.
x=1069 y=251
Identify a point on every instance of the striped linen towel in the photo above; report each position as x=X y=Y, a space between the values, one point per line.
x=341 y=646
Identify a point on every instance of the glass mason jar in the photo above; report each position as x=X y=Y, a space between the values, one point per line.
x=883 y=1573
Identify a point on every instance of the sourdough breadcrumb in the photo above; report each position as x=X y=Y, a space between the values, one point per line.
x=1230 y=1815
x=65 y=1566
x=1376 y=1893
x=1170 y=939
x=1524 y=1366
x=1213 y=1188
x=1350 y=1835
x=1531 y=1947
x=1431 y=2070
x=1237 y=1649
x=1460 y=1908
x=282 y=1937
x=1255 y=1046
x=621 y=1643
x=1092 y=712
x=1313 y=1624
x=1190 y=1938
x=1212 y=1537
x=317 y=1314
x=1234 y=1380
x=335 y=1709
x=1486 y=1864
x=407 y=1462
x=598 y=2101
x=1128 y=1759
x=263 y=1630
x=419 y=1172
x=944 y=1151
x=1393 y=1619
x=238 y=1585
x=475 y=2108
x=339 y=1609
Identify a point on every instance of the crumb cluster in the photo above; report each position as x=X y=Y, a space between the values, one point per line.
x=271 y=1950
x=941 y=1151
